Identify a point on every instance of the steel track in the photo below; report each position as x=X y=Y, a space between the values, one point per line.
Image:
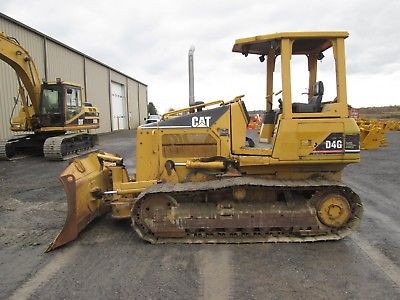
x=68 y=146
x=7 y=149
x=190 y=191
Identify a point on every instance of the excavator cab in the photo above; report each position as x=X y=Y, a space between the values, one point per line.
x=51 y=105
x=60 y=103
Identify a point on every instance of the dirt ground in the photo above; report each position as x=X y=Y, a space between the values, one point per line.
x=109 y=261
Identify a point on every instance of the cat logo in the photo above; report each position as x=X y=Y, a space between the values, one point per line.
x=200 y=121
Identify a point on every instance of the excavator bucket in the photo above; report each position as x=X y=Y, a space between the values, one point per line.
x=371 y=137
x=84 y=180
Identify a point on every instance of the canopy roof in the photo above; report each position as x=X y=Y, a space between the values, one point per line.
x=305 y=42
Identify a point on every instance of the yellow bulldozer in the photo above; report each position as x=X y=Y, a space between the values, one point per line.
x=200 y=177
x=54 y=118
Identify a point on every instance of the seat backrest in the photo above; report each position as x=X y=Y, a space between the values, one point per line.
x=269 y=117
x=316 y=99
x=318 y=88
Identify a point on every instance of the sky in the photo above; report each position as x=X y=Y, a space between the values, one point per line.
x=149 y=41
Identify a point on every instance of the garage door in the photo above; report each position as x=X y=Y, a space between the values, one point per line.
x=118 y=107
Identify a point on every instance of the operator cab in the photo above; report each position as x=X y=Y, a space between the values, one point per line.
x=305 y=78
x=60 y=103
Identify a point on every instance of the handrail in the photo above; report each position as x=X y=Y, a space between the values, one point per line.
x=191 y=108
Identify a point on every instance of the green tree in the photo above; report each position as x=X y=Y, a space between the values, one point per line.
x=151 y=109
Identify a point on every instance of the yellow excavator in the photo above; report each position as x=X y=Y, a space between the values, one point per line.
x=200 y=177
x=54 y=115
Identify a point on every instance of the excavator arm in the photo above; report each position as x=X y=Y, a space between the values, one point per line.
x=12 y=53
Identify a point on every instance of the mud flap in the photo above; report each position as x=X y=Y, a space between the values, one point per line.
x=83 y=181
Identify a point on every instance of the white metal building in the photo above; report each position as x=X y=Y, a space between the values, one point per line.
x=121 y=99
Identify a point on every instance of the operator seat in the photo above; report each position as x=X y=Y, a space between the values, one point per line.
x=271 y=117
x=314 y=103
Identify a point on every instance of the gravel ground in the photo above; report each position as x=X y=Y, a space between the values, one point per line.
x=108 y=260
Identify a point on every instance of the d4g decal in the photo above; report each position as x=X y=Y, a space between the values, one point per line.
x=337 y=143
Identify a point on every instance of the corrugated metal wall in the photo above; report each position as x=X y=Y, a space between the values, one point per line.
x=133 y=103
x=65 y=64
x=142 y=103
x=97 y=91
x=56 y=60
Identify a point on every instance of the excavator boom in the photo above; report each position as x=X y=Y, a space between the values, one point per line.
x=21 y=61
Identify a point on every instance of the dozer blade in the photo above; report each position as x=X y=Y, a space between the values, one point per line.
x=83 y=181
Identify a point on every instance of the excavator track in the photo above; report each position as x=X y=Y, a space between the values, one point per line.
x=68 y=146
x=59 y=147
x=15 y=147
x=4 y=155
x=246 y=210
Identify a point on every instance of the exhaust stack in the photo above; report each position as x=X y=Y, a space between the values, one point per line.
x=191 y=76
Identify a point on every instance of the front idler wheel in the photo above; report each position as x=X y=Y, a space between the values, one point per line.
x=333 y=210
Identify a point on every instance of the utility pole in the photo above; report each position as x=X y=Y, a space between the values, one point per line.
x=191 y=76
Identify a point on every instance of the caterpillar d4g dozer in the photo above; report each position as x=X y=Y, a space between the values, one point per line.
x=52 y=117
x=201 y=179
